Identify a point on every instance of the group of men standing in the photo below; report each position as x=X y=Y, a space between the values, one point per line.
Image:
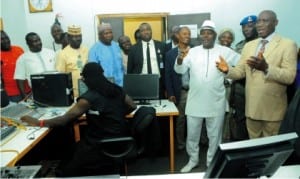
x=191 y=77
x=268 y=65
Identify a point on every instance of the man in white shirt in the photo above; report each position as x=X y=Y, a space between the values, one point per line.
x=37 y=60
x=206 y=97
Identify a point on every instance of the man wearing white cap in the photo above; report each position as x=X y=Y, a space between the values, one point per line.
x=206 y=98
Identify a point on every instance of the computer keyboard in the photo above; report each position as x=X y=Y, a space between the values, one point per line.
x=29 y=171
x=16 y=111
x=5 y=131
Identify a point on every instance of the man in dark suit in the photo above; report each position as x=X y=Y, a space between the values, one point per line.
x=177 y=85
x=137 y=57
x=173 y=41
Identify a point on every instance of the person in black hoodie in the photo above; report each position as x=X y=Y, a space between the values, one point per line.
x=105 y=105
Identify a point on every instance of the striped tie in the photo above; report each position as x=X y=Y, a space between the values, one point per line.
x=263 y=45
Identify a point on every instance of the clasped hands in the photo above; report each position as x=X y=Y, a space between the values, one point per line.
x=258 y=63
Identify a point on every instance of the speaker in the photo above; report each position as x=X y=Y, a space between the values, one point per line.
x=52 y=89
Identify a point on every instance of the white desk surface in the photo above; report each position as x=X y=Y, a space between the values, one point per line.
x=288 y=171
x=14 y=148
x=19 y=143
x=163 y=107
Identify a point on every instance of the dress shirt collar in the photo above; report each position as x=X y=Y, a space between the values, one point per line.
x=151 y=42
x=269 y=38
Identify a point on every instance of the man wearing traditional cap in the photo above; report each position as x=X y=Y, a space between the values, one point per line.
x=36 y=60
x=268 y=64
x=249 y=31
x=73 y=57
x=206 y=97
x=226 y=37
x=107 y=53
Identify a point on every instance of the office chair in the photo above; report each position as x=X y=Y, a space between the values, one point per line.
x=119 y=149
x=122 y=149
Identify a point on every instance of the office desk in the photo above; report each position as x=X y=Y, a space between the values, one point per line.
x=21 y=142
x=163 y=108
x=18 y=144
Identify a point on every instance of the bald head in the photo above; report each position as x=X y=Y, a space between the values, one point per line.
x=266 y=23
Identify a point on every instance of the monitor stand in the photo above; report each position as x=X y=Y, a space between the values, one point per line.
x=143 y=102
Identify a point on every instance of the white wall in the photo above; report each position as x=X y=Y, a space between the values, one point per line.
x=226 y=13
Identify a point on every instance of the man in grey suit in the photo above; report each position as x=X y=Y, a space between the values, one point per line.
x=268 y=70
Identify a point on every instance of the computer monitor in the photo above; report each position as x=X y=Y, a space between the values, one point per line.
x=82 y=88
x=142 y=87
x=52 y=89
x=251 y=158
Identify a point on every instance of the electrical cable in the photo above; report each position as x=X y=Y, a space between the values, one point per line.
x=17 y=156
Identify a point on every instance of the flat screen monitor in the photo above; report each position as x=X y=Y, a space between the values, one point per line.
x=251 y=158
x=82 y=88
x=142 y=87
x=52 y=89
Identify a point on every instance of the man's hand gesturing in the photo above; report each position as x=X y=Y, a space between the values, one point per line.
x=222 y=65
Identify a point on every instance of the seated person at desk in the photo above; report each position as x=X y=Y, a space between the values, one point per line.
x=105 y=105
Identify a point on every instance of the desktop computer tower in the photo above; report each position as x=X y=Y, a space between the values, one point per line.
x=52 y=89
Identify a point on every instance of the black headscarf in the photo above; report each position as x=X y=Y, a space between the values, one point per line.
x=95 y=80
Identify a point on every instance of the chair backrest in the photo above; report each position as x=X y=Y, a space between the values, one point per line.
x=146 y=131
x=127 y=147
x=142 y=118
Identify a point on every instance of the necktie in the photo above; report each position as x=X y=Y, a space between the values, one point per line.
x=263 y=45
x=148 y=60
x=261 y=50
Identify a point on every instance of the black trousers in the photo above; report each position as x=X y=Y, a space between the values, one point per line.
x=86 y=159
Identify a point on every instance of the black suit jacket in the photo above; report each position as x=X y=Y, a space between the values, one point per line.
x=168 y=46
x=135 y=57
x=173 y=81
x=135 y=61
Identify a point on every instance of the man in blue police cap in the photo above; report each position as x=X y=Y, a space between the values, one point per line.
x=237 y=122
x=249 y=31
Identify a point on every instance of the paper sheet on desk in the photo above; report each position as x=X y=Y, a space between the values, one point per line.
x=159 y=107
x=54 y=112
